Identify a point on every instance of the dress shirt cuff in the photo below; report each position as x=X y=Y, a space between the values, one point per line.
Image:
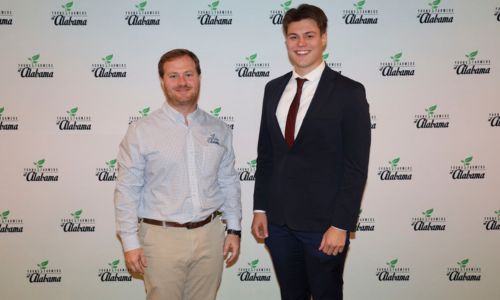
x=233 y=224
x=130 y=242
x=259 y=211
x=339 y=229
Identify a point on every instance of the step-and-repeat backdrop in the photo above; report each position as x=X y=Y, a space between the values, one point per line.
x=75 y=74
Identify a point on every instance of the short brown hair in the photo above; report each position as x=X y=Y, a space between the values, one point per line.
x=305 y=11
x=176 y=53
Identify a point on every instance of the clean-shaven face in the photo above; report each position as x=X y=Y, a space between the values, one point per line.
x=305 y=45
x=181 y=82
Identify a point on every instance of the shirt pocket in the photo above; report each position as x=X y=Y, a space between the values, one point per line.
x=212 y=157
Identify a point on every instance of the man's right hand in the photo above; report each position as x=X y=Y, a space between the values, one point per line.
x=259 y=225
x=135 y=260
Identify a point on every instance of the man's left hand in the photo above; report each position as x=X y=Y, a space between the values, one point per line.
x=231 y=249
x=333 y=241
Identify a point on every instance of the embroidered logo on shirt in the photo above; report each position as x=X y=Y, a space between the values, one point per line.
x=212 y=139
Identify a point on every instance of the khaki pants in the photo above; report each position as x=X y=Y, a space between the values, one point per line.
x=182 y=263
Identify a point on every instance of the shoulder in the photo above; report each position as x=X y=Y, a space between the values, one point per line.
x=148 y=125
x=148 y=120
x=213 y=123
x=279 y=81
x=342 y=81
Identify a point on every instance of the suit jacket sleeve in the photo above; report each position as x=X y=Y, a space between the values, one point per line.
x=356 y=136
x=264 y=158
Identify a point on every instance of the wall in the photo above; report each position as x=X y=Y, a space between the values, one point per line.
x=430 y=212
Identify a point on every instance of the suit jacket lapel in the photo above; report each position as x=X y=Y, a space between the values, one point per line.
x=275 y=98
x=325 y=87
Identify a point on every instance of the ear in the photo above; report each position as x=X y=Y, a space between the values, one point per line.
x=324 y=40
x=161 y=83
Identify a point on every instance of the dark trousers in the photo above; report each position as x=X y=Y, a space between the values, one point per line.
x=302 y=270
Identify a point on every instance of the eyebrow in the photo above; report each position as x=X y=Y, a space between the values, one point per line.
x=184 y=72
x=308 y=32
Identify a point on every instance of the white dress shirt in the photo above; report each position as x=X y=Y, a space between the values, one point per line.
x=308 y=90
x=171 y=171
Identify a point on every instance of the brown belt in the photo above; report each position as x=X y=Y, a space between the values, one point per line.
x=189 y=225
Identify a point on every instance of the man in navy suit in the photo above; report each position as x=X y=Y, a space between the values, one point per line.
x=312 y=163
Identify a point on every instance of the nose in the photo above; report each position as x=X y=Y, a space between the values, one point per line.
x=301 y=41
x=182 y=80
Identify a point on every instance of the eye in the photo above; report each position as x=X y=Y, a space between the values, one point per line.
x=172 y=76
x=188 y=74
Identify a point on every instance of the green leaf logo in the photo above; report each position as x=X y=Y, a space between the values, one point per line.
x=428 y=213
x=253 y=264
x=392 y=263
x=286 y=5
x=430 y=110
x=394 y=162
x=497 y=212
x=107 y=59
x=216 y=111
x=360 y=211
x=471 y=56
x=43 y=265
x=39 y=164
x=251 y=58
x=114 y=264
x=111 y=164
x=214 y=5
x=141 y=6
x=397 y=57
x=1 y=110
x=325 y=56
x=252 y=164
x=67 y=6
x=72 y=112
x=359 y=5
x=34 y=59
x=463 y=263
x=144 y=112
x=467 y=161
x=434 y=4
x=5 y=214
x=77 y=214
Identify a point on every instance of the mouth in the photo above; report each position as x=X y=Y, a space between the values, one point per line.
x=302 y=52
x=183 y=89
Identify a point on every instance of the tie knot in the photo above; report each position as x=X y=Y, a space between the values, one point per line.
x=300 y=82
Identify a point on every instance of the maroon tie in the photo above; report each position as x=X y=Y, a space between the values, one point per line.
x=292 y=113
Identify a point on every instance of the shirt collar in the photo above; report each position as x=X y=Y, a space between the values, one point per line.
x=177 y=116
x=312 y=76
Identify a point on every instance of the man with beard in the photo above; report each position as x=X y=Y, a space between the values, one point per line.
x=176 y=175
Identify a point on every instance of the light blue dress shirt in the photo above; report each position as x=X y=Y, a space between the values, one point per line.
x=173 y=171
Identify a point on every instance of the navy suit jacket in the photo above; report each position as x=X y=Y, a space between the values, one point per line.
x=319 y=181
